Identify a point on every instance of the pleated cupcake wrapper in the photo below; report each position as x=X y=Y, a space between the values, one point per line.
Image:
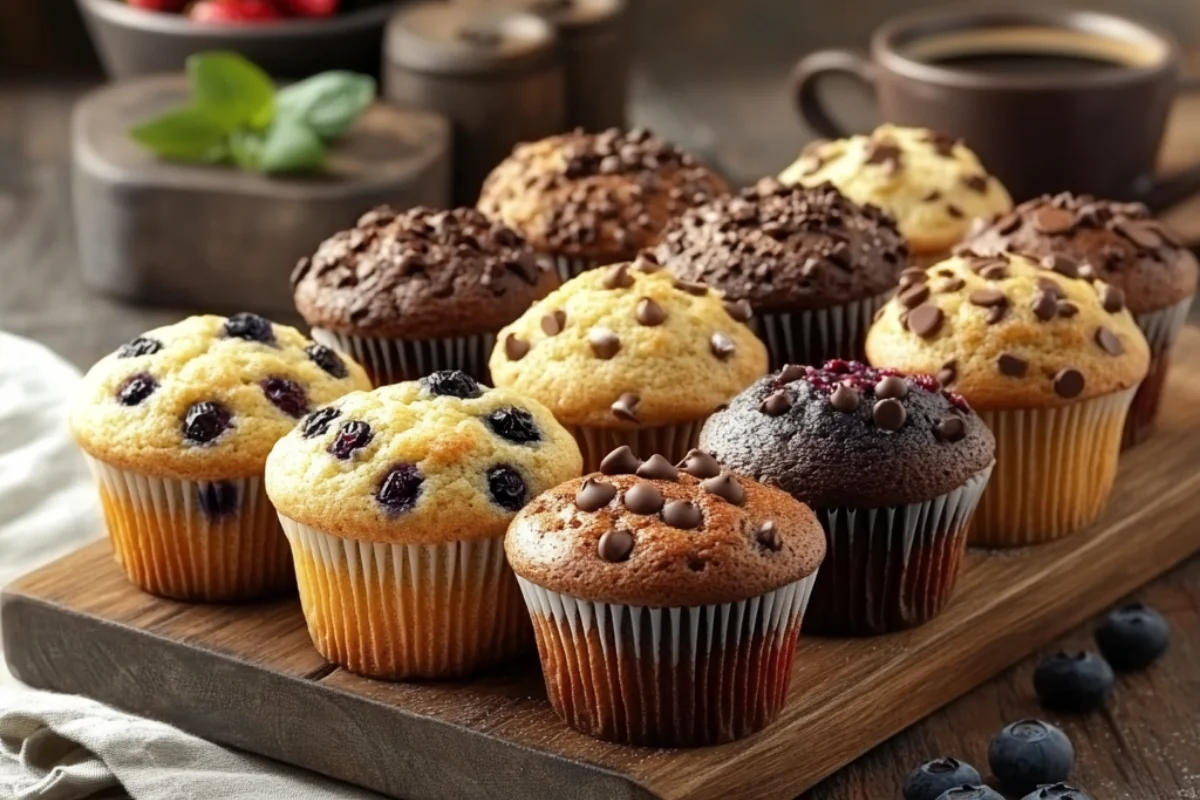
x=891 y=568
x=170 y=545
x=390 y=361
x=396 y=611
x=668 y=677
x=817 y=335
x=569 y=267
x=1160 y=329
x=1054 y=470
x=671 y=441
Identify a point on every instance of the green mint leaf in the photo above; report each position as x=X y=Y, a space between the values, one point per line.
x=185 y=134
x=329 y=103
x=291 y=146
x=231 y=89
x=246 y=148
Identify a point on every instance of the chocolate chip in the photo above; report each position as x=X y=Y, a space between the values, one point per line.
x=650 y=313
x=891 y=386
x=1140 y=233
x=912 y=275
x=615 y=546
x=617 y=277
x=647 y=262
x=845 y=399
x=621 y=461
x=739 y=310
x=951 y=284
x=789 y=373
x=205 y=421
x=1050 y=220
x=1067 y=309
x=768 y=536
x=1063 y=265
x=994 y=272
x=1051 y=287
x=996 y=313
x=139 y=346
x=1068 y=383
x=942 y=144
x=1109 y=342
x=925 y=320
x=554 y=322
x=700 y=464
x=978 y=264
x=914 y=295
x=643 y=498
x=722 y=346
x=604 y=342
x=1009 y=224
x=682 y=514
x=726 y=487
x=698 y=289
x=625 y=407
x=885 y=153
x=776 y=403
x=987 y=298
x=1045 y=306
x=515 y=348
x=950 y=429
x=594 y=495
x=932 y=197
x=1112 y=298
x=976 y=183
x=954 y=211
x=657 y=468
x=1011 y=366
x=889 y=414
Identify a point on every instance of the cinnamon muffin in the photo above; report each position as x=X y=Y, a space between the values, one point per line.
x=666 y=601
x=411 y=292
x=811 y=265
x=594 y=199
x=1123 y=245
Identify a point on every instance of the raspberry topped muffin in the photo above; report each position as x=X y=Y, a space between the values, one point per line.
x=594 y=199
x=177 y=425
x=633 y=575
x=395 y=503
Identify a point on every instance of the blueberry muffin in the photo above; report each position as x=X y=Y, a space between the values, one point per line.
x=411 y=292
x=395 y=502
x=892 y=464
x=666 y=600
x=933 y=186
x=177 y=425
x=589 y=200
x=1050 y=361
x=631 y=355
x=811 y=265
x=1121 y=244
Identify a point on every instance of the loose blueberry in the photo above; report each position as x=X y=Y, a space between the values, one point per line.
x=287 y=395
x=319 y=421
x=932 y=778
x=451 y=383
x=400 y=488
x=218 y=498
x=1059 y=791
x=1030 y=753
x=970 y=792
x=139 y=346
x=136 y=388
x=507 y=488
x=327 y=359
x=1133 y=636
x=353 y=435
x=514 y=424
x=1079 y=682
x=205 y=421
x=250 y=327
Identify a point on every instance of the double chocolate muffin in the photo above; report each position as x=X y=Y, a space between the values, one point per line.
x=810 y=264
x=594 y=199
x=892 y=464
x=410 y=292
x=1121 y=244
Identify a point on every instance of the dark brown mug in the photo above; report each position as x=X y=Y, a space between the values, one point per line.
x=1050 y=99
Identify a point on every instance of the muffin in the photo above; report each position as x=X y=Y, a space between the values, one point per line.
x=933 y=186
x=176 y=426
x=589 y=200
x=630 y=355
x=1123 y=245
x=893 y=466
x=812 y=266
x=666 y=602
x=1049 y=361
x=395 y=502
x=412 y=292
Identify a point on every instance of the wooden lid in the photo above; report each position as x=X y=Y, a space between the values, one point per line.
x=461 y=39
x=577 y=16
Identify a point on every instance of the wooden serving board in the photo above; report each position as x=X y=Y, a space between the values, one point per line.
x=247 y=676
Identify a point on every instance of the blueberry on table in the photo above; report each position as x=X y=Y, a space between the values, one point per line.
x=976 y=791
x=932 y=778
x=139 y=346
x=1030 y=753
x=451 y=383
x=1058 y=791
x=1133 y=636
x=327 y=359
x=250 y=327
x=513 y=424
x=1078 y=682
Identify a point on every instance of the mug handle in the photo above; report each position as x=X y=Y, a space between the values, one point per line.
x=807 y=75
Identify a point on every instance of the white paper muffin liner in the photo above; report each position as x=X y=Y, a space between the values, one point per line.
x=1160 y=328
x=390 y=361
x=668 y=677
x=169 y=545
x=396 y=611
x=816 y=335
x=887 y=569
x=671 y=441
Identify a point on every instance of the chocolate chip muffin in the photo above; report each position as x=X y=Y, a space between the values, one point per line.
x=395 y=503
x=411 y=292
x=933 y=185
x=590 y=200
x=1121 y=244
x=674 y=594
x=177 y=424
x=893 y=465
x=811 y=265
x=631 y=355
x=1050 y=361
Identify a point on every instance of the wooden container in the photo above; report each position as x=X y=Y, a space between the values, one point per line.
x=220 y=239
x=494 y=73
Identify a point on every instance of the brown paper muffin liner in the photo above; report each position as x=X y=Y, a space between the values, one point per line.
x=390 y=361
x=887 y=569
x=569 y=267
x=667 y=677
x=1054 y=470
x=817 y=335
x=200 y=541
x=671 y=441
x=1160 y=329
x=395 y=611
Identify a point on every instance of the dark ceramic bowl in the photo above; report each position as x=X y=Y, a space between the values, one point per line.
x=132 y=41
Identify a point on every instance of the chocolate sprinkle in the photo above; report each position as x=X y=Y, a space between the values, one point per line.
x=950 y=429
x=625 y=407
x=925 y=320
x=682 y=514
x=700 y=464
x=1109 y=342
x=768 y=536
x=845 y=399
x=621 y=461
x=657 y=468
x=604 y=342
x=554 y=322
x=515 y=348
x=776 y=403
x=722 y=346
x=1011 y=366
x=643 y=498
x=594 y=495
x=615 y=546
x=889 y=414
x=726 y=487
x=1068 y=383
x=649 y=313
x=739 y=310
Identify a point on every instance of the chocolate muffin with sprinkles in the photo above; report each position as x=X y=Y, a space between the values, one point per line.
x=396 y=502
x=892 y=464
x=666 y=600
x=177 y=424
x=1049 y=360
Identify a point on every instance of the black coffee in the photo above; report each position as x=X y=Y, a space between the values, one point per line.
x=1025 y=63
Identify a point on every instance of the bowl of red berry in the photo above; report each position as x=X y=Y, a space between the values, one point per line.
x=288 y=38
